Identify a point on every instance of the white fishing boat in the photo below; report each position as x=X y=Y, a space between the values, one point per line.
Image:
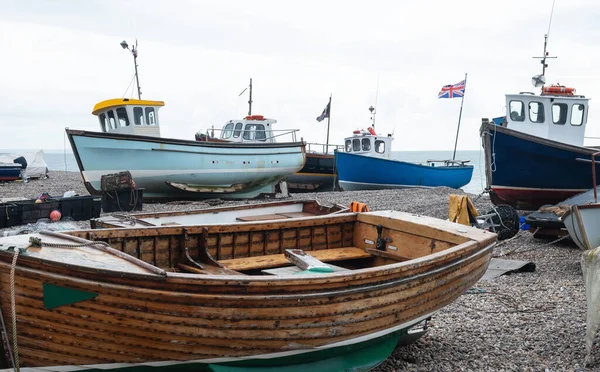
x=168 y=168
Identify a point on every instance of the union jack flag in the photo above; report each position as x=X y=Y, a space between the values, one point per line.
x=453 y=91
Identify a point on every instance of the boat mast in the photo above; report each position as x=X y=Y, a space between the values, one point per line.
x=545 y=55
x=543 y=59
x=373 y=112
x=134 y=52
x=250 y=99
x=328 y=121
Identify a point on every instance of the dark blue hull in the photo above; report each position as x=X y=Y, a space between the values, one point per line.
x=10 y=172
x=358 y=172
x=527 y=172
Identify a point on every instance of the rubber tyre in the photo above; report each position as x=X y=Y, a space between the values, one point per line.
x=507 y=216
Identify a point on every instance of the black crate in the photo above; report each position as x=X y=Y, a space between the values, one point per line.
x=80 y=208
x=9 y=215
x=31 y=212
x=127 y=200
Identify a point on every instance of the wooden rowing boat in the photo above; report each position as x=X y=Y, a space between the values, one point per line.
x=279 y=210
x=326 y=293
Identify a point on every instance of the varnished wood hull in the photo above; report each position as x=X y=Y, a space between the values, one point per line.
x=241 y=320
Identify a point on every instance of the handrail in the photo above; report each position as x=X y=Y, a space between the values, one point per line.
x=284 y=132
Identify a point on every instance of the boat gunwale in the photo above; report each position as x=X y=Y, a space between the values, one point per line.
x=540 y=140
x=137 y=216
x=440 y=168
x=176 y=141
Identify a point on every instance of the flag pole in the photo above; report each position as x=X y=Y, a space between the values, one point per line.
x=459 y=116
x=328 y=120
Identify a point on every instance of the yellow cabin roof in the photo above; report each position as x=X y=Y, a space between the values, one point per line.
x=124 y=102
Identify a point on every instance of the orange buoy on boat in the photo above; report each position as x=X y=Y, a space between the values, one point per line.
x=371 y=130
x=558 y=90
x=255 y=117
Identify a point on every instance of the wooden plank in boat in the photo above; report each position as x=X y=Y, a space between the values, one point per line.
x=276 y=260
x=262 y=217
x=290 y=270
x=296 y=214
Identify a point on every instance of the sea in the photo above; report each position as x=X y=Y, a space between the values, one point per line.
x=61 y=161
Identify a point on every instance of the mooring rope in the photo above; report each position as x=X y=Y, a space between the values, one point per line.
x=14 y=310
x=37 y=242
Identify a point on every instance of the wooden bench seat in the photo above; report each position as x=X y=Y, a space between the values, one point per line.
x=262 y=217
x=277 y=260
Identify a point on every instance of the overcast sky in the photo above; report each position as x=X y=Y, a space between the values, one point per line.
x=61 y=57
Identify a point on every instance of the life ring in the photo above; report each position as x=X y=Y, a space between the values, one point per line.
x=371 y=130
x=356 y=132
x=558 y=90
x=255 y=117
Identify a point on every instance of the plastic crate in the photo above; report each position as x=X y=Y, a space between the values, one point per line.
x=31 y=212
x=127 y=200
x=9 y=215
x=80 y=208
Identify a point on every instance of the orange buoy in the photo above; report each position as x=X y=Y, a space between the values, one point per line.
x=371 y=130
x=255 y=117
x=558 y=90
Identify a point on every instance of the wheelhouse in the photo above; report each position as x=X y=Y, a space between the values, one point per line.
x=129 y=116
x=369 y=144
x=252 y=128
x=556 y=114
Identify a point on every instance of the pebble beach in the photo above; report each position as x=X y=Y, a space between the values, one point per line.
x=533 y=321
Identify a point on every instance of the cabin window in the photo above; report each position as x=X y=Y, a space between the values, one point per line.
x=255 y=132
x=366 y=144
x=227 y=131
x=577 y=114
x=122 y=116
x=536 y=112
x=150 y=116
x=356 y=144
x=103 y=122
x=238 y=130
x=559 y=113
x=348 y=146
x=380 y=146
x=138 y=115
x=111 y=119
x=517 y=111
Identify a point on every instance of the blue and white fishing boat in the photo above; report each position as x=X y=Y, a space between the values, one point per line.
x=169 y=168
x=175 y=168
x=535 y=154
x=366 y=164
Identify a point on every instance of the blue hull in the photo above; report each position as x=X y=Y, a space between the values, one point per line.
x=358 y=172
x=527 y=172
x=10 y=172
x=205 y=169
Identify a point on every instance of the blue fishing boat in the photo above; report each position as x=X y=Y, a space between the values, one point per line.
x=366 y=164
x=535 y=155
